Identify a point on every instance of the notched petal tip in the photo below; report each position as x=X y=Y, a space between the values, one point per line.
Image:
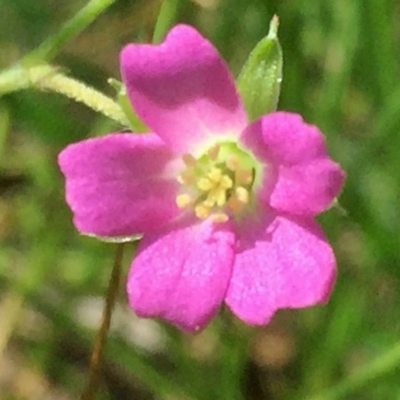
x=293 y=266
x=284 y=138
x=299 y=178
x=181 y=274
x=182 y=89
x=307 y=189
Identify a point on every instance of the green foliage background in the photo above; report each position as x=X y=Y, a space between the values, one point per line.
x=341 y=70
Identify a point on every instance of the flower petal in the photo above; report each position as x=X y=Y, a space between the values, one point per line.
x=118 y=184
x=299 y=177
x=182 y=89
x=280 y=262
x=306 y=189
x=181 y=274
x=284 y=138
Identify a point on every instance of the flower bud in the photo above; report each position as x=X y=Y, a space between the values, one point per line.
x=261 y=76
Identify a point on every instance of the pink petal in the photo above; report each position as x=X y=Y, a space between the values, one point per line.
x=299 y=177
x=306 y=189
x=182 y=89
x=284 y=138
x=118 y=184
x=280 y=262
x=181 y=274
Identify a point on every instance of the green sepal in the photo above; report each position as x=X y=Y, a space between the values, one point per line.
x=260 y=80
x=135 y=122
x=115 y=239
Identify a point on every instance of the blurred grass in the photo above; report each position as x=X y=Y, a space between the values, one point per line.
x=341 y=72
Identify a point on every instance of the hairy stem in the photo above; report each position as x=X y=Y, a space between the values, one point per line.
x=48 y=78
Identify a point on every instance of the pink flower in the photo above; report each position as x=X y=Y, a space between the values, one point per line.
x=226 y=207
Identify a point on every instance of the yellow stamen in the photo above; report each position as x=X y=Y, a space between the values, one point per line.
x=221 y=197
x=215 y=175
x=202 y=211
x=183 y=200
x=189 y=160
x=213 y=152
x=225 y=182
x=216 y=196
x=220 y=217
x=209 y=201
x=239 y=199
x=232 y=162
x=217 y=186
x=215 y=180
x=244 y=176
x=205 y=184
x=242 y=194
x=235 y=204
x=187 y=177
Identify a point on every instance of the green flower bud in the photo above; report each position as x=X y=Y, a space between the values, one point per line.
x=261 y=76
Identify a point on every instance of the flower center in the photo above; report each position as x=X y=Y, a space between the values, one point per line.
x=218 y=184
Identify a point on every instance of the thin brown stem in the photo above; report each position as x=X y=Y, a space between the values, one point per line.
x=98 y=348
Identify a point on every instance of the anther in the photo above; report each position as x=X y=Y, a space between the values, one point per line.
x=235 y=204
x=239 y=199
x=219 y=217
x=187 y=177
x=183 y=200
x=232 y=162
x=242 y=194
x=244 y=176
x=213 y=152
x=189 y=160
x=202 y=211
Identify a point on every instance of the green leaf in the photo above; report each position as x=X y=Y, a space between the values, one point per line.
x=260 y=80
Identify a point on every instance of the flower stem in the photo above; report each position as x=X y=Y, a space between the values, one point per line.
x=13 y=79
x=32 y=72
x=165 y=18
x=49 y=48
x=98 y=348
x=376 y=368
x=48 y=78
x=82 y=93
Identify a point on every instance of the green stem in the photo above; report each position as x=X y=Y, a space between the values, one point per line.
x=49 y=48
x=82 y=93
x=13 y=79
x=165 y=18
x=30 y=72
x=48 y=78
x=234 y=356
x=98 y=348
x=378 y=367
